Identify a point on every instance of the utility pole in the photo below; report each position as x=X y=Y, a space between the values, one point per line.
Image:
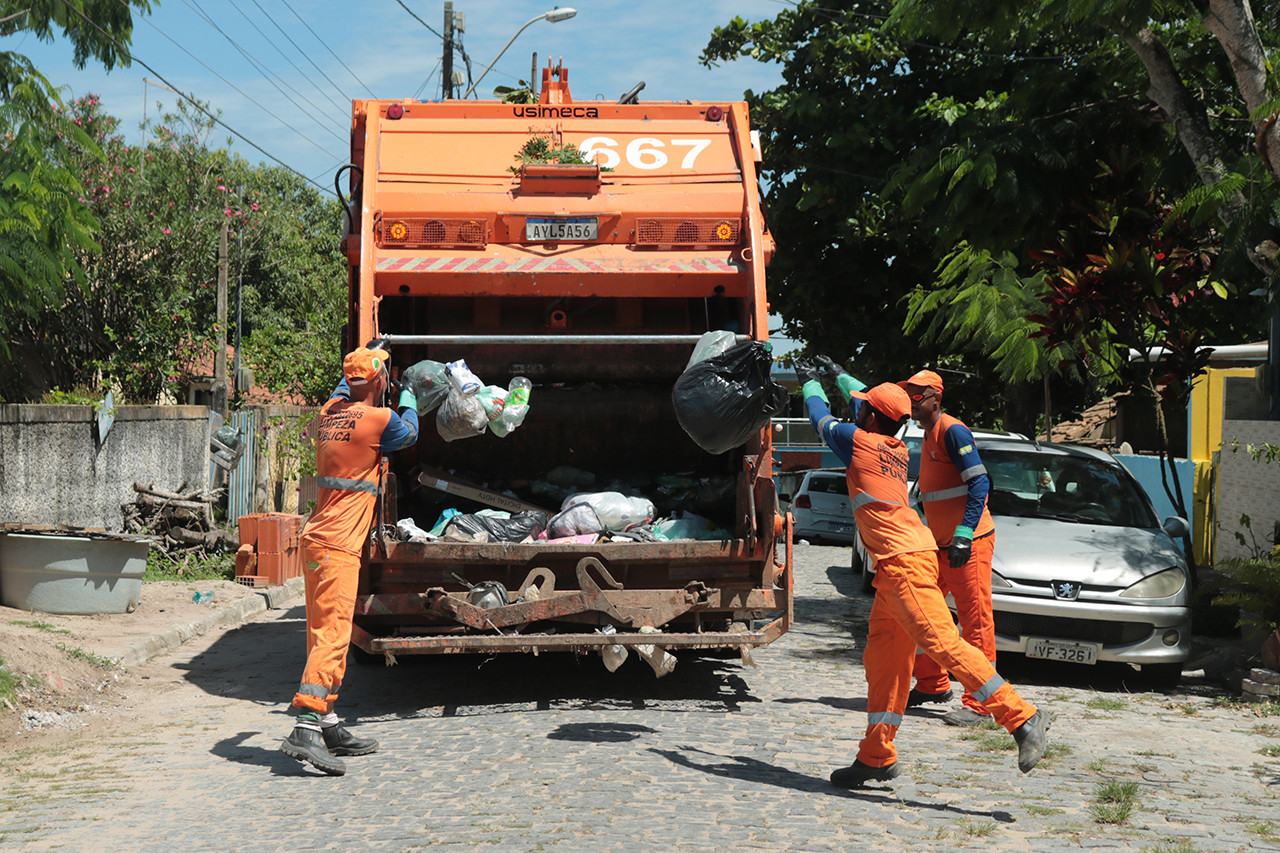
x=219 y=389
x=446 y=62
x=235 y=372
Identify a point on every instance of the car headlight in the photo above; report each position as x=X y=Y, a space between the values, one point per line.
x=1160 y=585
x=998 y=582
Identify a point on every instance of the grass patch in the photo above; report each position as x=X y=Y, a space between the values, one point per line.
x=1235 y=703
x=1106 y=703
x=8 y=683
x=1042 y=810
x=213 y=567
x=1266 y=730
x=88 y=657
x=1114 y=802
x=1272 y=751
x=1266 y=830
x=977 y=828
x=40 y=625
x=1180 y=846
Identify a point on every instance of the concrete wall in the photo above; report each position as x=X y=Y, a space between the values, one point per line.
x=1246 y=487
x=53 y=470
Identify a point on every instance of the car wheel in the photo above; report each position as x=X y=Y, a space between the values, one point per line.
x=1161 y=675
x=867 y=578
x=856 y=562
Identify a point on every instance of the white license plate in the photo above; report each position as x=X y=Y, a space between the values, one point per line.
x=561 y=228
x=1057 y=650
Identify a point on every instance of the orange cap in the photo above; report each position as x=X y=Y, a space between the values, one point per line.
x=889 y=399
x=924 y=378
x=363 y=365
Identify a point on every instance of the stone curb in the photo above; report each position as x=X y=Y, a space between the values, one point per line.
x=268 y=598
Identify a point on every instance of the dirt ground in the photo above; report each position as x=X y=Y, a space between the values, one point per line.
x=62 y=662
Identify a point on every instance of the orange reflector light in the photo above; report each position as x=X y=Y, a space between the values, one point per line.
x=687 y=232
x=418 y=232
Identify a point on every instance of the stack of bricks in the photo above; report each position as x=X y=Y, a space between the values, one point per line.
x=270 y=552
x=1262 y=685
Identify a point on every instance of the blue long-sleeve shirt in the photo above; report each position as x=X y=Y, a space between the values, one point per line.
x=401 y=430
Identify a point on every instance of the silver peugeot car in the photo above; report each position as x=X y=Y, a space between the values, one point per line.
x=1083 y=569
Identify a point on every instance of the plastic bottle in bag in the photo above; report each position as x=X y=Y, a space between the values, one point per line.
x=517 y=406
x=493 y=399
x=462 y=378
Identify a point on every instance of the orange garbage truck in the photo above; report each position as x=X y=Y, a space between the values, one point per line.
x=588 y=247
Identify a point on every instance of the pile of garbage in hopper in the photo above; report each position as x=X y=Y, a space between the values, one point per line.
x=724 y=395
x=584 y=517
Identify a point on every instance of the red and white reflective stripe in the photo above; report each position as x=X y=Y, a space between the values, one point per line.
x=555 y=265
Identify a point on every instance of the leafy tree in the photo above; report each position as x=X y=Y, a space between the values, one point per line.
x=145 y=315
x=42 y=225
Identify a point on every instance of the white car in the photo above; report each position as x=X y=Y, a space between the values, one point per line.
x=820 y=508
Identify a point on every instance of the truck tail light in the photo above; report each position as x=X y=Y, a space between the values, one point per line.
x=419 y=232
x=688 y=232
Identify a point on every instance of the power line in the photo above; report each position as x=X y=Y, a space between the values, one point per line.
x=305 y=54
x=126 y=52
x=431 y=74
x=243 y=93
x=419 y=20
x=326 y=47
x=283 y=56
x=195 y=6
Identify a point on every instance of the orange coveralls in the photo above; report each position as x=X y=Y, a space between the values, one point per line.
x=348 y=454
x=909 y=609
x=944 y=494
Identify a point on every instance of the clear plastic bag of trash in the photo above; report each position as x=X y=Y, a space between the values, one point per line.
x=407 y=531
x=688 y=525
x=429 y=383
x=493 y=399
x=711 y=345
x=574 y=520
x=460 y=416
x=615 y=511
x=614 y=655
x=461 y=377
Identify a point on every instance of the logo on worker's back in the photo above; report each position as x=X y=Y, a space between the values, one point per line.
x=546 y=111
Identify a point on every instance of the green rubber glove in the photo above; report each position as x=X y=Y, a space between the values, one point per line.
x=813 y=388
x=407 y=399
x=848 y=384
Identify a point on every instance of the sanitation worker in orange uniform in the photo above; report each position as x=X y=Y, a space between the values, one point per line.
x=354 y=433
x=953 y=491
x=909 y=609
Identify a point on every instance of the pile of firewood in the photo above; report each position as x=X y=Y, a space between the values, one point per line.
x=183 y=520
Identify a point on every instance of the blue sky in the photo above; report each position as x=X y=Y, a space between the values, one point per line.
x=293 y=97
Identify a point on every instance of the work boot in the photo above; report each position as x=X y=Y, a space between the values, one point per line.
x=916 y=697
x=342 y=742
x=308 y=745
x=964 y=717
x=858 y=774
x=1033 y=739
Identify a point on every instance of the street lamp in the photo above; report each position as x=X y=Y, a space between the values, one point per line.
x=554 y=16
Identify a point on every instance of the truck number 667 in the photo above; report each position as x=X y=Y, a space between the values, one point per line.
x=643 y=152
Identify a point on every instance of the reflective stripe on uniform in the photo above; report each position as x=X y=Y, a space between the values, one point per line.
x=347 y=485
x=886 y=718
x=862 y=499
x=969 y=473
x=984 y=693
x=315 y=690
x=822 y=424
x=944 y=494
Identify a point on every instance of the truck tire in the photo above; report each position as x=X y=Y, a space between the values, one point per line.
x=867 y=578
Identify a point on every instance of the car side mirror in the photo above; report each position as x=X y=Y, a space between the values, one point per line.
x=1176 y=526
x=784 y=497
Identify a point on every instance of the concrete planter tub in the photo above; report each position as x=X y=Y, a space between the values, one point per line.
x=71 y=574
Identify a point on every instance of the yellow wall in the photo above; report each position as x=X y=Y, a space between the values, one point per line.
x=1204 y=430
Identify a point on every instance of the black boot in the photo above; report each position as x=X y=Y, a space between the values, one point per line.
x=917 y=698
x=342 y=742
x=308 y=745
x=858 y=774
x=1033 y=739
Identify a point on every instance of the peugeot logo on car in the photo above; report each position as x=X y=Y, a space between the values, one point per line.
x=1066 y=590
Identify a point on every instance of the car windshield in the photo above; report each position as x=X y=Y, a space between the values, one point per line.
x=913 y=443
x=1033 y=484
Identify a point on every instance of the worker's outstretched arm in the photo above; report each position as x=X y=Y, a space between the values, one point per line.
x=836 y=435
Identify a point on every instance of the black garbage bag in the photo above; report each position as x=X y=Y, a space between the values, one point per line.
x=721 y=401
x=514 y=529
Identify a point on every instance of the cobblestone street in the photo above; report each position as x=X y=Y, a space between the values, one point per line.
x=517 y=753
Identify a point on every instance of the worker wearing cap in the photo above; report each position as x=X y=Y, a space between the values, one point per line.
x=354 y=433
x=909 y=611
x=953 y=486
